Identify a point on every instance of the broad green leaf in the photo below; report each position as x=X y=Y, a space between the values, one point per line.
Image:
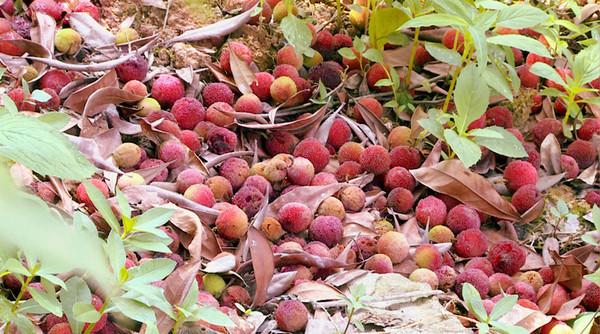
x=52 y=279
x=102 y=205
x=38 y=146
x=483 y=328
x=584 y=323
x=382 y=23
x=16 y=267
x=586 y=67
x=56 y=120
x=485 y=133
x=473 y=301
x=507 y=329
x=373 y=55
x=153 y=218
x=439 y=20
x=298 y=34
x=491 y=4
x=40 y=96
x=24 y=324
x=85 y=312
x=152 y=296
x=147 y=242
x=508 y=145
x=471 y=98
x=460 y=9
x=467 y=151
x=594 y=277
x=123 y=204
x=191 y=297
x=443 y=54
x=115 y=251
x=596 y=217
x=359 y=45
x=484 y=21
x=134 y=310
x=480 y=43
x=9 y=105
x=553 y=92
x=212 y=316
x=496 y=80
x=520 y=42
x=347 y=53
x=77 y=292
x=547 y=72
x=503 y=306
x=151 y=271
x=47 y=300
x=520 y=16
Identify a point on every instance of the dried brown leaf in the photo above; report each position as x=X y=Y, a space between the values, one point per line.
x=550 y=154
x=222 y=263
x=94 y=34
x=242 y=73
x=262 y=263
x=43 y=32
x=311 y=291
x=296 y=126
x=525 y=317
x=103 y=97
x=77 y=100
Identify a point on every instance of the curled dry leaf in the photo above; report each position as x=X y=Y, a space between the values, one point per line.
x=93 y=33
x=450 y=177
x=103 y=97
x=568 y=270
x=397 y=57
x=262 y=263
x=222 y=263
x=77 y=100
x=26 y=49
x=550 y=154
x=296 y=126
x=312 y=291
x=381 y=131
x=280 y=283
x=43 y=32
x=307 y=259
x=242 y=73
x=589 y=174
x=525 y=317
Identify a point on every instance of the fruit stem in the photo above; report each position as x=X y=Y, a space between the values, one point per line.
x=413 y=53
x=454 y=78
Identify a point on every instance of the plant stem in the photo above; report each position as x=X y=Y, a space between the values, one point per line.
x=349 y=320
x=454 y=78
x=339 y=13
x=90 y=327
x=177 y=323
x=413 y=53
x=15 y=306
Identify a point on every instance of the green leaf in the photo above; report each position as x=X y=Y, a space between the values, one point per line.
x=382 y=23
x=480 y=43
x=374 y=55
x=77 y=292
x=47 y=300
x=586 y=66
x=191 y=297
x=520 y=42
x=38 y=146
x=123 y=204
x=547 y=72
x=508 y=145
x=153 y=218
x=147 y=242
x=212 y=316
x=115 y=250
x=85 y=312
x=594 y=278
x=457 y=8
x=40 y=96
x=16 y=267
x=134 y=310
x=483 y=328
x=9 y=105
x=503 y=306
x=347 y=53
x=298 y=34
x=473 y=301
x=102 y=205
x=52 y=279
x=508 y=329
x=439 y=20
x=359 y=45
x=496 y=80
x=150 y=271
x=485 y=133
x=596 y=217
x=24 y=324
x=471 y=98
x=443 y=54
x=520 y=16
x=57 y=120
x=584 y=323
x=553 y=92
x=467 y=151
x=491 y=4
x=384 y=83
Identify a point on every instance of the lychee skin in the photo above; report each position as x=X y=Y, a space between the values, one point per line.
x=313 y=150
x=149 y=163
x=374 y=74
x=480 y=263
x=200 y=194
x=589 y=128
x=379 y=264
x=593 y=197
x=291 y=316
x=353 y=198
x=232 y=223
x=174 y=151
x=348 y=170
x=281 y=142
x=499 y=116
x=326 y=229
x=544 y=127
x=368 y=103
x=167 y=89
x=285 y=70
x=405 y=156
x=583 y=152
x=261 y=87
x=424 y=275
x=217 y=92
x=294 y=217
x=528 y=79
x=55 y=80
x=325 y=42
x=440 y=234
x=260 y=183
x=569 y=166
x=127 y=155
x=88 y=7
x=507 y=257
x=301 y=172
x=332 y=206
x=235 y=170
x=525 y=198
x=446 y=277
x=470 y=243
x=288 y=55
x=475 y=277
x=591 y=301
x=375 y=159
x=399 y=177
x=136 y=87
x=394 y=245
x=220 y=187
x=461 y=218
x=329 y=73
x=187 y=178
x=350 y=151
x=431 y=210
x=249 y=199
x=190 y=139
x=135 y=68
x=519 y=173
x=17 y=95
x=533 y=58
x=248 y=103
x=60 y=328
x=84 y=197
x=323 y=178
x=449 y=39
x=428 y=256
x=282 y=89
x=500 y=283
x=219 y=113
x=52 y=104
x=400 y=135
x=523 y=290
x=339 y=133
x=188 y=112
x=241 y=50
x=235 y=294
x=221 y=140
x=400 y=200
x=49 y=7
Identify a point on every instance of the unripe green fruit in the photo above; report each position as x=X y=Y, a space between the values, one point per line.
x=126 y=35
x=214 y=284
x=130 y=179
x=146 y=106
x=67 y=41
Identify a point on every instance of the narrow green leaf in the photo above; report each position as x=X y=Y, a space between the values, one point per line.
x=57 y=120
x=443 y=54
x=547 y=72
x=123 y=204
x=115 y=250
x=77 y=292
x=503 y=306
x=584 y=323
x=508 y=145
x=150 y=271
x=473 y=301
x=470 y=96
x=102 y=205
x=440 y=20
x=467 y=151
x=153 y=218
x=40 y=96
x=47 y=300
x=496 y=80
x=479 y=40
x=520 y=42
x=85 y=312
x=382 y=23
x=134 y=310
x=212 y=316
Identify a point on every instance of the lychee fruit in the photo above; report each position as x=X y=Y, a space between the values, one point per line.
x=60 y=328
x=544 y=127
x=135 y=68
x=499 y=283
x=288 y=55
x=446 y=277
x=591 y=301
x=528 y=79
x=214 y=284
x=235 y=294
x=291 y=316
x=285 y=70
x=188 y=112
x=339 y=133
x=48 y=7
x=232 y=223
x=187 y=178
x=353 y=198
x=475 y=277
x=332 y=206
x=523 y=290
x=519 y=173
x=525 y=198
x=400 y=200
x=55 y=80
x=593 y=197
x=405 y=156
x=235 y=170
x=400 y=135
x=533 y=278
x=89 y=8
x=220 y=187
x=200 y=194
x=220 y=114
x=146 y=106
x=376 y=73
x=394 y=245
x=294 y=217
x=126 y=35
x=424 y=275
x=454 y=37
x=172 y=151
x=323 y=178
x=583 y=152
x=589 y=127
x=326 y=229
x=480 y=263
x=380 y=264
x=471 y=243
x=83 y=196
x=313 y=150
x=301 y=172
x=240 y=50
x=136 y=87
x=461 y=218
x=431 y=210
x=190 y=139
x=67 y=41
x=440 y=234
x=217 y=92
x=262 y=86
x=499 y=116
x=329 y=73
x=428 y=256
x=127 y=155
x=167 y=89
x=399 y=177
x=348 y=171
x=248 y=103
x=507 y=257
x=221 y=140
x=282 y=89
x=375 y=159
x=368 y=104
x=249 y=199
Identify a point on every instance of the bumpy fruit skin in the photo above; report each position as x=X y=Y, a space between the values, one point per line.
x=477 y=278
x=294 y=217
x=235 y=170
x=528 y=79
x=187 y=178
x=339 y=133
x=326 y=229
x=325 y=42
x=380 y=264
x=149 y=163
x=589 y=128
x=358 y=17
x=101 y=323
x=217 y=92
x=446 y=277
x=220 y=187
x=323 y=178
x=431 y=210
x=569 y=165
x=83 y=196
x=262 y=86
x=248 y=103
x=353 y=198
x=424 y=275
x=291 y=316
x=126 y=35
x=214 y=284
x=136 y=87
x=329 y=73
x=591 y=301
x=200 y=194
x=190 y=139
x=173 y=150
x=167 y=89
x=55 y=80
x=583 y=152
x=188 y=112
x=350 y=151
x=365 y=247
x=235 y=294
x=280 y=142
x=440 y=234
x=332 y=206
x=499 y=116
x=428 y=256
x=368 y=103
x=67 y=41
x=480 y=263
x=422 y=56
x=400 y=200
x=525 y=197
x=313 y=150
x=523 y=290
x=127 y=155
x=507 y=257
x=348 y=170
x=282 y=89
x=374 y=74
x=240 y=50
x=461 y=218
x=232 y=223
x=301 y=172
x=248 y=199
x=399 y=136
x=499 y=283
x=221 y=140
x=519 y=173
x=286 y=70
x=288 y=55
x=88 y=7
x=394 y=245
x=49 y=7
x=533 y=58
x=18 y=97
x=556 y=327
x=471 y=243
x=450 y=38
x=60 y=328
x=375 y=159
x=272 y=229
x=547 y=126
x=399 y=177
x=220 y=114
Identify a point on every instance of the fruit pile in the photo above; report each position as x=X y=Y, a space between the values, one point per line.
x=308 y=156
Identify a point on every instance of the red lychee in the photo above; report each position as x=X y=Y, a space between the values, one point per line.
x=375 y=159
x=499 y=116
x=525 y=197
x=470 y=243
x=431 y=210
x=405 y=156
x=261 y=87
x=55 y=80
x=475 y=277
x=83 y=196
x=200 y=194
x=589 y=127
x=519 y=173
x=370 y=105
x=135 y=68
x=462 y=217
x=339 y=133
x=291 y=316
x=313 y=150
x=167 y=89
x=399 y=177
x=221 y=140
x=528 y=79
x=376 y=73
x=240 y=50
x=326 y=229
x=188 y=112
x=172 y=151
x=507 y=257
x=217 y=92
x=232 y=223
x=248 y=103
x=480 y=263
x=583 y=152
x=380 y=264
